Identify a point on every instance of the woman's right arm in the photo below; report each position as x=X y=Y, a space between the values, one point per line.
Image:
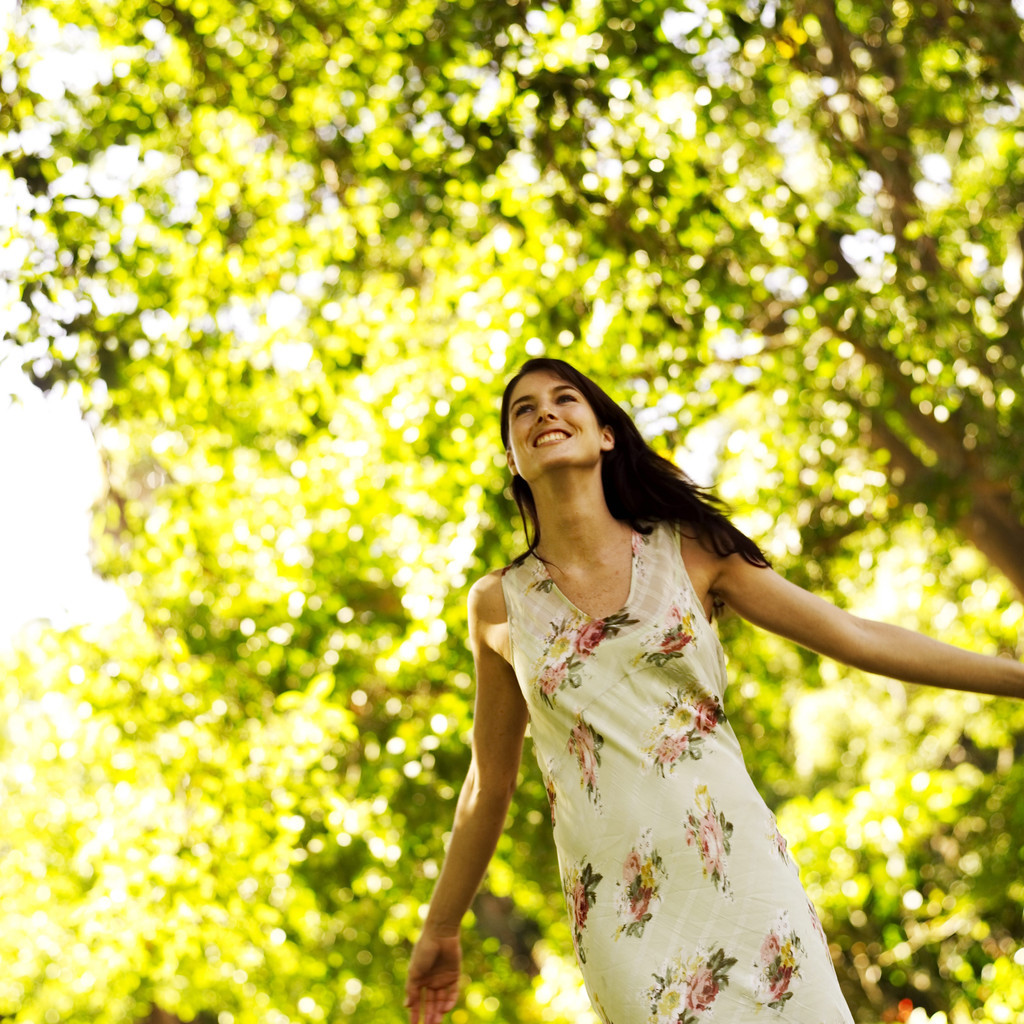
x=499 y=724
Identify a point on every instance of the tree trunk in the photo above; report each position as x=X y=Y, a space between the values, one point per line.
x=995 y=531
x=158 y=1016
x=990 y=523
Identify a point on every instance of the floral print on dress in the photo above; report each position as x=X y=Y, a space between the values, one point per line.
x=778 y=964
x=819 y=928
x=685 y=992
x=593 y=632
x=566 y=648
x=561 y=665
x=543 y=583
x=586 y=744
x=777 y=840
x=639 y=542
x=547 y=771
x=708 y=830
x=580 y=888
x=683 y=723
x=595 y=1002
x=677 y=632
x=642 y=874
x=552 y=798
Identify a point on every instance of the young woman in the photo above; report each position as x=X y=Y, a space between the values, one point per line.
x=682 y=898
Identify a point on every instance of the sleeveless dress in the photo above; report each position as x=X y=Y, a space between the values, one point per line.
x=683 y=902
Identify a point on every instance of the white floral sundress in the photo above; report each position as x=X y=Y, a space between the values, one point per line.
x=684 y=903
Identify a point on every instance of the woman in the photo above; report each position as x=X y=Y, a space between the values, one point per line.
x=682 y=898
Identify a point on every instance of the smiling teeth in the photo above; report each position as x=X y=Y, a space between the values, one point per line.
x=558 y=435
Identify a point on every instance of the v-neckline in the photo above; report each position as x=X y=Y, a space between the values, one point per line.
x=634 y=556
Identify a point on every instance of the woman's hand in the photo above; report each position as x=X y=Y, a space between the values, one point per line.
x=433 y=983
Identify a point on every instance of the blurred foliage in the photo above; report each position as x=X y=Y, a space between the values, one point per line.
x=285 y=254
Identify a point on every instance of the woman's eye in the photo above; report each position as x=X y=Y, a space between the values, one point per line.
x=522 y=408
x=567 y=398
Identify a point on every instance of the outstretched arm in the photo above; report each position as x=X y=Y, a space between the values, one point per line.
x=499 y=724
x=764 y=598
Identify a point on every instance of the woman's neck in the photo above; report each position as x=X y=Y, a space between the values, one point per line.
x=576 y=527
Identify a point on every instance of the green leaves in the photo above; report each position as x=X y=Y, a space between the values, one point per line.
x=289 y=252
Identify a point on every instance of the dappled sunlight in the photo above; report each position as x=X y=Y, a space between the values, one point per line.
x=280 y=262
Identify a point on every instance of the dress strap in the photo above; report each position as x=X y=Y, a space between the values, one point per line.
x=674 y=532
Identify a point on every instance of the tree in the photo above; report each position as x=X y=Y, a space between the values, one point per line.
x=287 y=252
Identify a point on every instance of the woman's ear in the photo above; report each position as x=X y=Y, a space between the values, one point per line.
x=511 y=459
x=607 y=439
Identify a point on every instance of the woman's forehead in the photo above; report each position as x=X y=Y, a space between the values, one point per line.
x=538 y=381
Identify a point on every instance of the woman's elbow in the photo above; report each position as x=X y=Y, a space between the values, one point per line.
x=491 y=784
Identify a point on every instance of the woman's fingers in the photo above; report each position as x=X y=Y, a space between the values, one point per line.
x=429 y=1005
x=433 y=1013
x=437 y=1002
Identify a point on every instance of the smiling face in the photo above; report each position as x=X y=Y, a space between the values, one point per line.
x=551 y=425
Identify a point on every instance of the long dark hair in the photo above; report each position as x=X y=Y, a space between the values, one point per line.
x=640 y=486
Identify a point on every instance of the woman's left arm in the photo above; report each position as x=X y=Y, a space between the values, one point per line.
x=764 y=598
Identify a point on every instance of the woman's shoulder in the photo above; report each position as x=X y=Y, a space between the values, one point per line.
x=488 y=616
x=487 y=598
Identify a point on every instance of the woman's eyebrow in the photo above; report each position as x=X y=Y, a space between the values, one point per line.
x=529 y=398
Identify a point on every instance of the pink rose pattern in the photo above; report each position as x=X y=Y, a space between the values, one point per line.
x=683 y=723
x=778 y=964
x=567 y=647
x=589 y=635
x=708 y=830
x=586 y=744
x=642 y=873
x=580 y=888
x=676 y=634
x=707 y=714
x=684 y=992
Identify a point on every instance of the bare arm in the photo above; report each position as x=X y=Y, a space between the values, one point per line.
x=764 y=598
x=499 y=724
